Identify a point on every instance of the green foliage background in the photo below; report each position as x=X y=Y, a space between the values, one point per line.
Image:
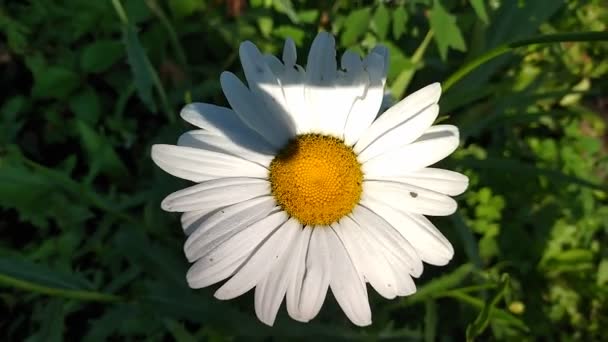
x=88 y=86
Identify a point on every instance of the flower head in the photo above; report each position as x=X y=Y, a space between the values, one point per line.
x=302 y=187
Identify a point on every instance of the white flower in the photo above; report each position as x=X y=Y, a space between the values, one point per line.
x=301 y=187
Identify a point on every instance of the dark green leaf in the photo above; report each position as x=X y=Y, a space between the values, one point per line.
x=483 y=319
x=480 y=10
x=100 y=55
x=140 y=67
x=54 y=82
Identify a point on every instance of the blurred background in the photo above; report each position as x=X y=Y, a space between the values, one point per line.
x=88 y=86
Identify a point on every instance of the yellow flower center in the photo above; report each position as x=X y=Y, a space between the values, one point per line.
x=316 y=179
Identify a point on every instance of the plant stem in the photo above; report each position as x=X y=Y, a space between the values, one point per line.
x=65 y=293
x=542 y=39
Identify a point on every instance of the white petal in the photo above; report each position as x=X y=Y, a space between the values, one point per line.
x=274 y=64
x=211 y=141
x=261 y=262
x=275 y=126
x=270 y=291
x=265 y=84
x=191 y=220
x=407 y=131
x=316 y=277
x=321 y=68
x=222 y=261
x=395 y=246
x=224 y=223
x=437 y=143
x=215 y=194
x=346 y=284
x=439 y=180
x=224 y=121
x=289 y=53
x=404 y=282
x=298 y=262
x=199 y=165
x=321 y=96
x=334 y=102
x=399 y=113
x=412 y=198
x=365 y=108
x=429 y=243
x=366 y=254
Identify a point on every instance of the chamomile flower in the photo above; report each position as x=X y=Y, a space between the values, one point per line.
x=302 y=187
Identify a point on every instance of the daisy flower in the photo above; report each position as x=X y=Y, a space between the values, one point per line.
x=302 y=187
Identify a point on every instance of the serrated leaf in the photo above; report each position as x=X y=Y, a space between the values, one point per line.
x=99 y=56
x=480 y=10
x=355 y=26
x=101 y=154
x=400 y=19
x=141 y=67
x=447 y=33
x=36 y=196
x=381 y=21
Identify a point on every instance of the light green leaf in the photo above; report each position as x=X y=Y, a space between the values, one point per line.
x=447 y=33
x=480 y=10
x=355 y=26
x=294 y=33
x=381 y=21
x=400 y=19
x=286 y=7
x=100 y=55
x=184 y=8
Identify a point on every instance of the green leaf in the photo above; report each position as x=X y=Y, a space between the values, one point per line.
x=447 y=33
x=286 y=7
x=102 y=156
x=140 y=67
x=184 y=8
x=52 y=322
x=480 y=10
x=381 y=21
x=54 y=82
x=483 y=319
x=36 y=196
x=355 y=26
x=25 y=275
x=294 y=33
x=438 y=285
x=99 y=56
x=400 y=19
x=41 y=275
x=86 y=105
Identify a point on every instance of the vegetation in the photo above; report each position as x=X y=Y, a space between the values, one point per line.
x=87 y=254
